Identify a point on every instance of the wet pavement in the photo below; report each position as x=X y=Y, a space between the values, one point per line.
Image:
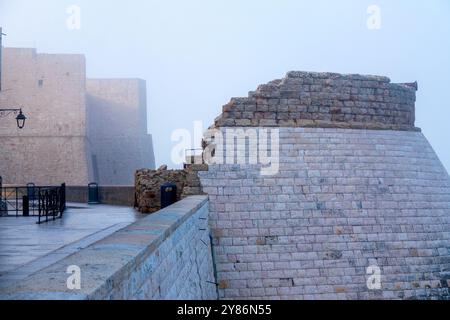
x=26 y=247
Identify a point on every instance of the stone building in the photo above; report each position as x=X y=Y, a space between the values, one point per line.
x=78 y=130
x=359 y=193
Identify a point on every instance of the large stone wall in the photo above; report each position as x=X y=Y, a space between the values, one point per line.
x=51 y=90
x=44 y=160
x=309 y=99
x=117 y=129
x=78 y=131
x=343 y=200
x=164 y=256
x=49 y=87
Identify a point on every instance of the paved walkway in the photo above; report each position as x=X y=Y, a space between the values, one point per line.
x=26 y=247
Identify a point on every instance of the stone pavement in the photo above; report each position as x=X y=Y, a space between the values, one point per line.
x=26 y=247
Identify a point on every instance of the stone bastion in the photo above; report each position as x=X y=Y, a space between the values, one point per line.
x=359 y=193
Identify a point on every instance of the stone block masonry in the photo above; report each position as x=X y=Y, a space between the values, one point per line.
x=113 y=195
x=52 y=148
x=343 y=200
x=164 y=256
x=78 y=130
x=359 y=189
x=117 y=129
x=310 y=99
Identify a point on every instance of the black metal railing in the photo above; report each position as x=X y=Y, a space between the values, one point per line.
x=45 y=202
x=51 y=203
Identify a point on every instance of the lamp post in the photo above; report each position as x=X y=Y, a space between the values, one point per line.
x=20 y=118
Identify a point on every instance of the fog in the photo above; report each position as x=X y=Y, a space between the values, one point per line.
x=195 y=55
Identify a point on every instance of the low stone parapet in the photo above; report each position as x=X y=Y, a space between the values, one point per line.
x=164 y=256
x=113 y=195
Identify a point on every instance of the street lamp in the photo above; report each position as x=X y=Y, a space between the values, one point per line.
x=20 y=118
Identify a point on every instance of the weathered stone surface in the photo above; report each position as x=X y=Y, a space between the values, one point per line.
x=328 y=100
x=343 y=200
x=148 y=185
x=78 y=130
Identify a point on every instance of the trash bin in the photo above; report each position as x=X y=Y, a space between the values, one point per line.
x=93 y=197
x=168 y=194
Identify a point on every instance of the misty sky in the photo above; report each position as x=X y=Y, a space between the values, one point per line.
x=197 y=54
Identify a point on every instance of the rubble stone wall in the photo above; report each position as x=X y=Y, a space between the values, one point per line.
x=309 y=99
x=148 y=185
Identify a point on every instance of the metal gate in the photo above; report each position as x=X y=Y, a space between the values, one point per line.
x=45 y=202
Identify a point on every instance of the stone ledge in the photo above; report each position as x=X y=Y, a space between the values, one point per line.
x=105 y=263
x=301 y=123
x=333 y=75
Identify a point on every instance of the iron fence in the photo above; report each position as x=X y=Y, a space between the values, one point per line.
x=45 y=202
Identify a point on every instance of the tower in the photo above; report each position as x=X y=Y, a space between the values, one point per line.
x=359 y=207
